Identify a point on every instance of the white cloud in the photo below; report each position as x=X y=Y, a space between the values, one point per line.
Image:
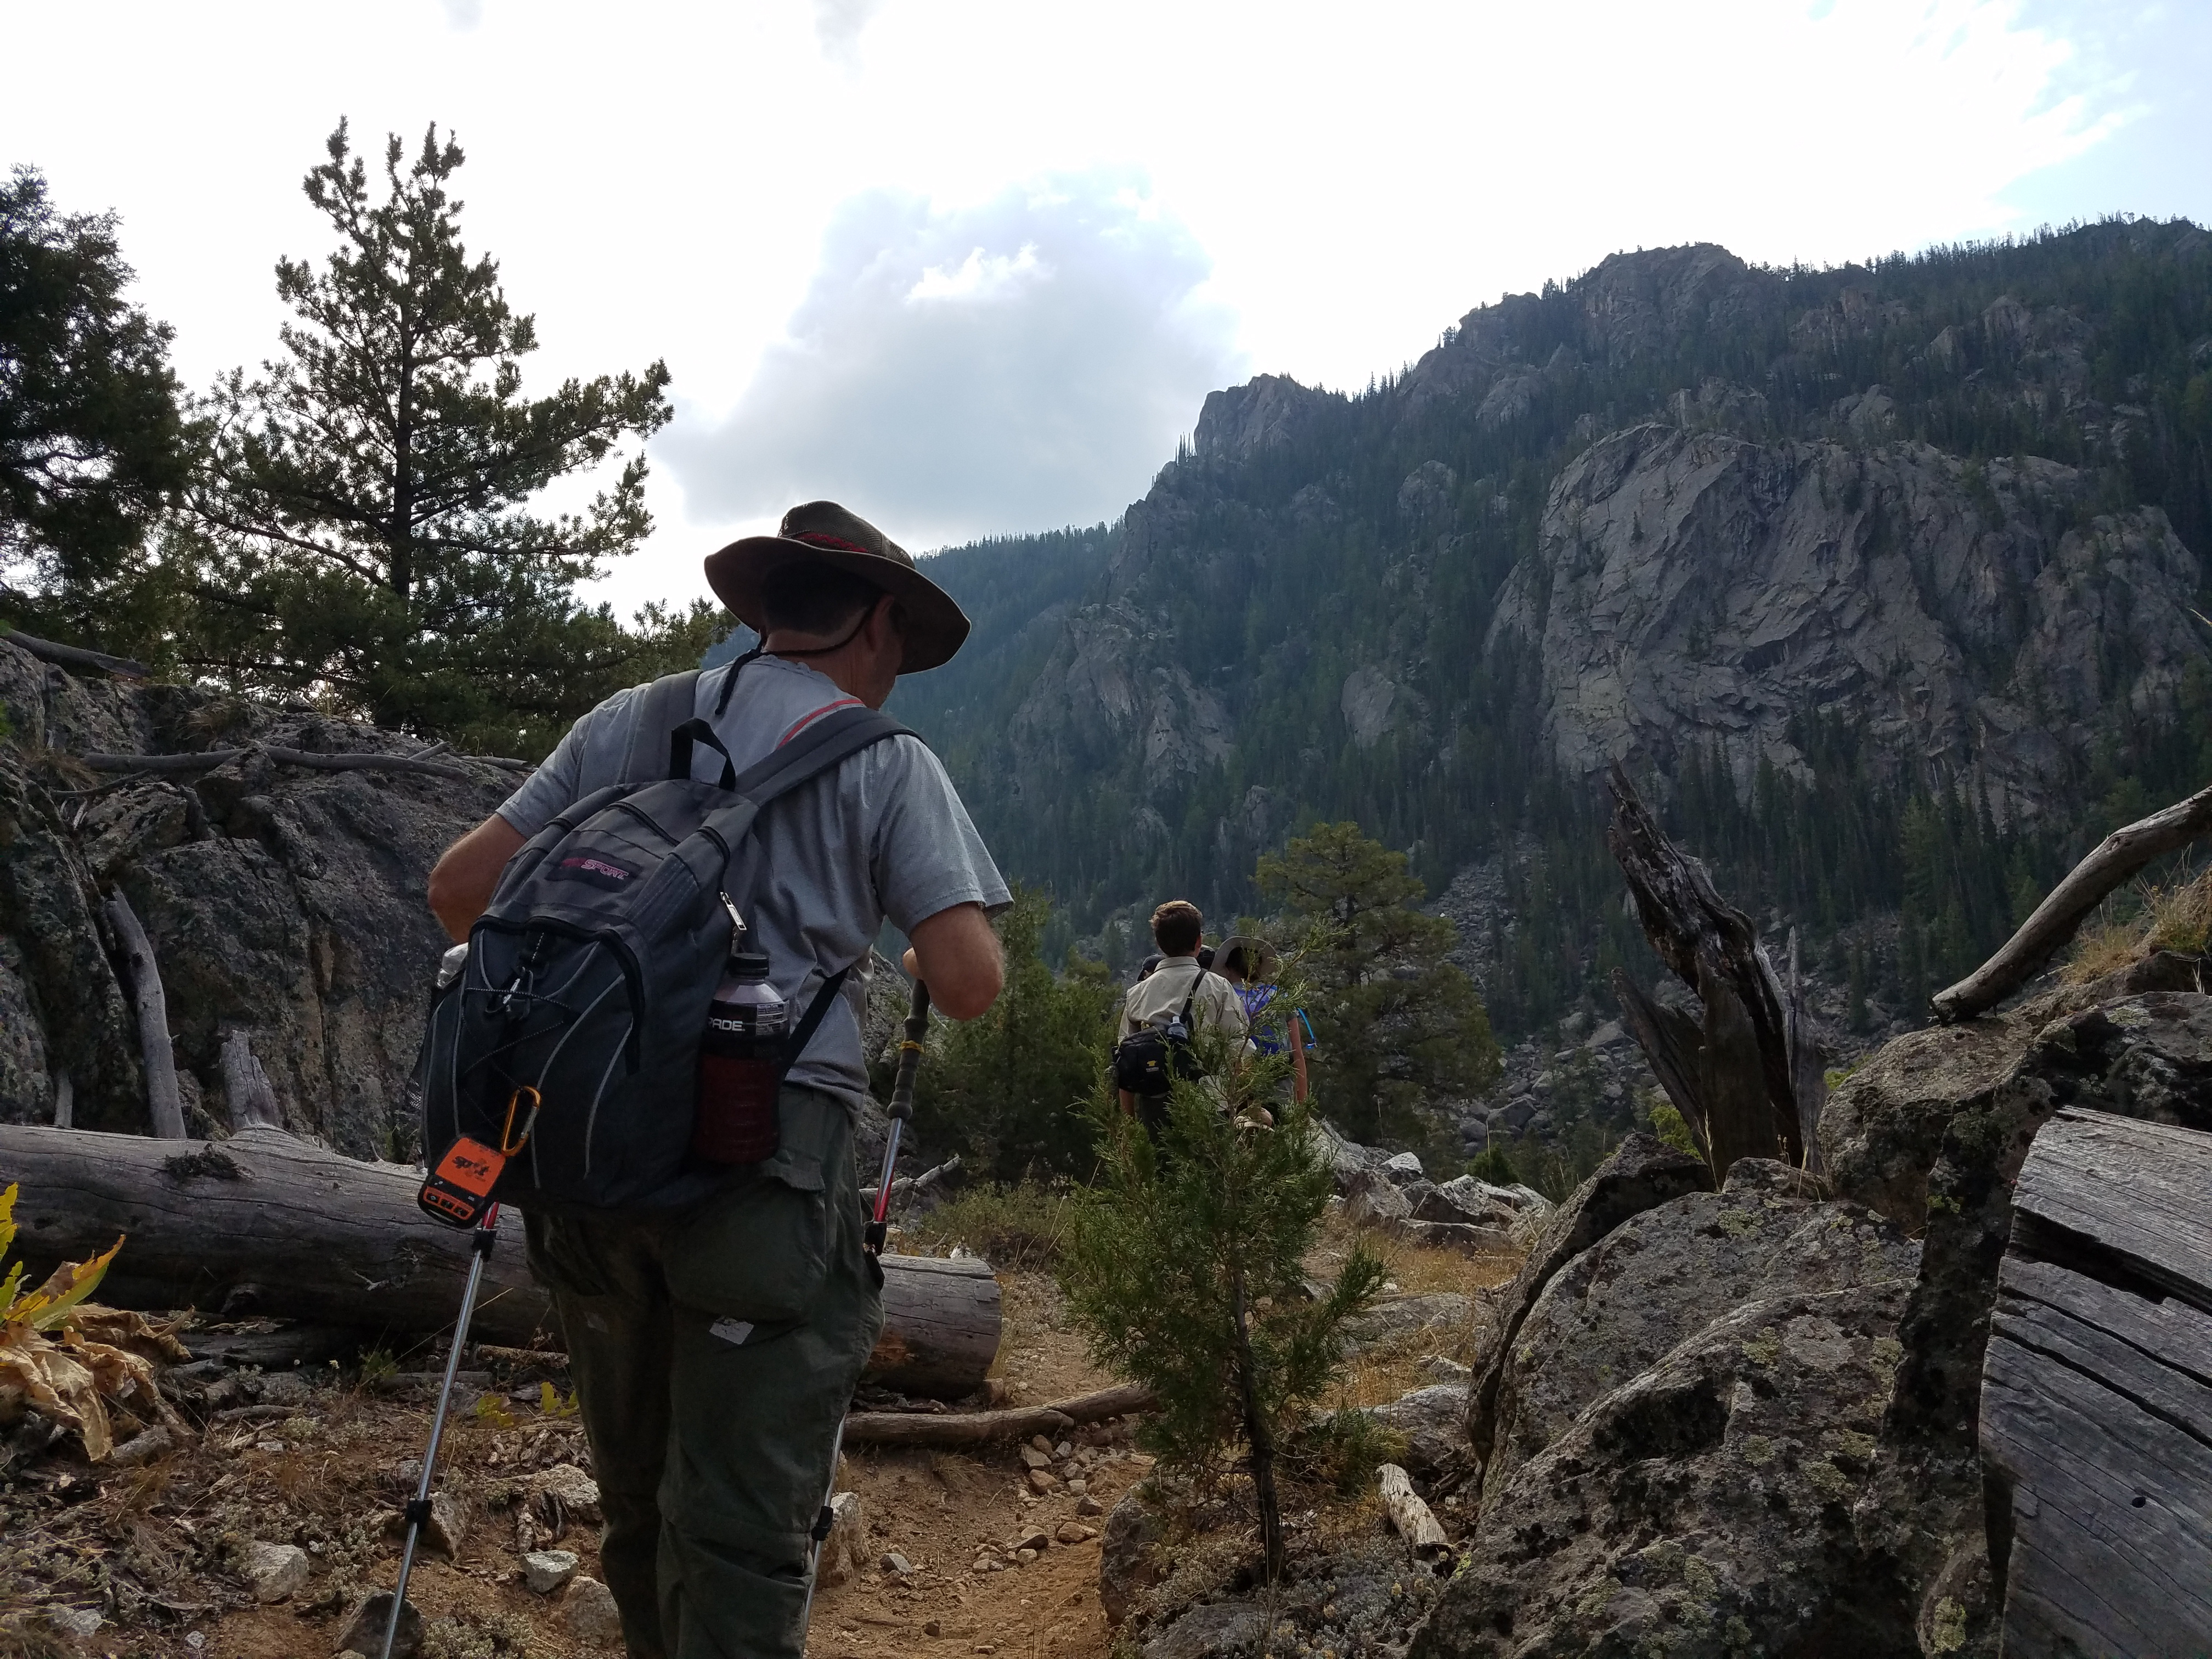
x=1024 y=361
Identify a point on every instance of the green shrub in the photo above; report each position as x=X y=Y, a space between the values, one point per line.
x=1006 y=1091
x=1184 y=1264
x=1016 y=1227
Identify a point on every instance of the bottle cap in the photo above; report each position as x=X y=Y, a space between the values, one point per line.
x=748 y=965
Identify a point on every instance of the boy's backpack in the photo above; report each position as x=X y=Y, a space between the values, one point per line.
x=570 y=1037
x=1146 y=1062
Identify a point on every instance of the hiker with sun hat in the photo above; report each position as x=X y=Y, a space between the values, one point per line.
x=715 y=1346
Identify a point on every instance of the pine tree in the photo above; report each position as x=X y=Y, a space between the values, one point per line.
x=92 y=444
x=1007 y=1090
x=1398 y=1027
x=366 y=531
x=1186 y=1267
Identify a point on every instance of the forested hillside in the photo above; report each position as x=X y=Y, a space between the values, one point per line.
x=1864 y=571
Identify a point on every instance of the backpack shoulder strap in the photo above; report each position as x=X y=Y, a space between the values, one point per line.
x=661 y=708
x=822 y=746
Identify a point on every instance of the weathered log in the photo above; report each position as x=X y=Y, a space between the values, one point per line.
x=1742 y=1095
x=940 y=1326
x=905 y=1186
x=245 y=1087
x=73 y=656
x=2055 y=920
x=1415 y=1521
x=979 y=1428
x=266 y=1223
x=1670 y=1040
x=2096 y=1413
x=163 y=1102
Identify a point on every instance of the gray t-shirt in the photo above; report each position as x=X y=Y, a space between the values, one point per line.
x=885 y=837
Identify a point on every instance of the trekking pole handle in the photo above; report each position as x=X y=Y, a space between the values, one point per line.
x=909 y=1061
x=900 y=1110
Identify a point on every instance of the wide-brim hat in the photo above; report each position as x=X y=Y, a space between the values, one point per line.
x=824 y=533
x=1259 y=958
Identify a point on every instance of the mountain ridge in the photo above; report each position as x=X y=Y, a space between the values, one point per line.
x=1987 y=464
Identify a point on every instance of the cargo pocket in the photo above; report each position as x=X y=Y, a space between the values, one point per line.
x=760 y=1249
x=559 y=1257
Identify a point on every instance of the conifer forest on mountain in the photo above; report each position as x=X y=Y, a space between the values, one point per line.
x=1264 y=571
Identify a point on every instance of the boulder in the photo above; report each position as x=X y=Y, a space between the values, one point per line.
x=1404 y=1168
x=1947 y=1117
x=544 y=1571
x=841 y=1551
x=365 y=1621
x=274 y=1571
x=1372 y=1198
x=1703 y=1507
x=1659 y=1278
x=1641 y=1174
x=1402 y=1315
x=1433 y=1420
x=590 y=1615
x=1126 y=1566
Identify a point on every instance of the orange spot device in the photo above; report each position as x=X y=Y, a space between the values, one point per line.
x=458 y=1191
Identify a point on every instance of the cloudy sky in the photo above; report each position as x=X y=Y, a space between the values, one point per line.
x=972 y=265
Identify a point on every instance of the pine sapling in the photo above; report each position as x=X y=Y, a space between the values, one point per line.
x=1184 y=1263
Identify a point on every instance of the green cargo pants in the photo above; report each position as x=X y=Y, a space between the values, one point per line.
x=714 y=1353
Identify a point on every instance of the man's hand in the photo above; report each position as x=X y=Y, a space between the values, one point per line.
x=464 y=879
x=956 y=954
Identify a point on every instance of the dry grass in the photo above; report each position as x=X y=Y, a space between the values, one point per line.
x=2174 y=917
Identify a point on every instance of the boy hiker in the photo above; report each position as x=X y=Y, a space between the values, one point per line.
x=715 y=1348
x=1180 y=981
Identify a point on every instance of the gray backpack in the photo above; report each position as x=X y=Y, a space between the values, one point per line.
x=569 y=1040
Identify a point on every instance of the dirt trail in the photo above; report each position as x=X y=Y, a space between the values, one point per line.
x=156 y=1548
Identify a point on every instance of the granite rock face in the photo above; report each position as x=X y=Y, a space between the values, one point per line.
x=1659 y=1278
x=1693 y=589
x=1703 y=1507
x=286 y=901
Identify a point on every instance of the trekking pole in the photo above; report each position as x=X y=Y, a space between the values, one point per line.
x=418 y=1511
x=900 y=1108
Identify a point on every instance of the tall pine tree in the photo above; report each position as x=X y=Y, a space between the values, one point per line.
x=366 y=531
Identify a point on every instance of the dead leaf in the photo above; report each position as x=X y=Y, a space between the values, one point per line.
x=69 y=1284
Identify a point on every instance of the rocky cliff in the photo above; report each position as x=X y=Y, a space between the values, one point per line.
x=284 y=901
x=1932 y=525
x=1980 y=624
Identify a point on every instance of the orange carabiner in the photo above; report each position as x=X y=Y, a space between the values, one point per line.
x=509 y=1142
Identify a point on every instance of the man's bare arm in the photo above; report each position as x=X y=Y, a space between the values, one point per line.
x=464 y=879
x=956 y=954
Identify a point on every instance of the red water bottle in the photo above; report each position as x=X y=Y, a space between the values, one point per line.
x=740 y=1063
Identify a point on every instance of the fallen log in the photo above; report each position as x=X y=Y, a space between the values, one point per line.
x=2096 y=1410
x=265 y=1224
x=2055 y=920
x=164 y=1103
x=1415 y=1521
x=979 y=1428
x=74 y=656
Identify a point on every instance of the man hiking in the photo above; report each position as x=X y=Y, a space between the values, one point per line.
x=1180 y=992
x=717 y=1347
